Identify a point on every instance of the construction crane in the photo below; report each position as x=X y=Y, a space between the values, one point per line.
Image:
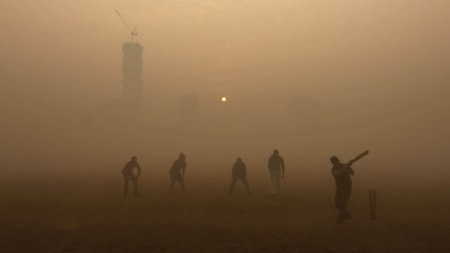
x=133 y=33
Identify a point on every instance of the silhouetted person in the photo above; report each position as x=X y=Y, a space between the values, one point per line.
x=342 y=176
x=177 y=172
x=276 y=170
x=239 y=172
x=127 y=173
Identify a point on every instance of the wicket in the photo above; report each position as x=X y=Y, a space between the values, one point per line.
x=373 y=203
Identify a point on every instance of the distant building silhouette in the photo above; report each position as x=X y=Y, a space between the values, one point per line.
x=188 y=110
x=128 y=108
x=132 y=75
x=304 y=112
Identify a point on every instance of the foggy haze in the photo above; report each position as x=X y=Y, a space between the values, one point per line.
x=377 y=73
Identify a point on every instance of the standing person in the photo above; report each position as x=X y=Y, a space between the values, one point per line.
x=177 y=172
x=239 y=171
x=276 y=170
x=127 y=173
x=342 y=175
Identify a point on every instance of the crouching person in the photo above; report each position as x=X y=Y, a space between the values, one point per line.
x=239 y=172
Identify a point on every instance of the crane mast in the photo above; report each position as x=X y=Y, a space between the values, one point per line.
x=133 y=32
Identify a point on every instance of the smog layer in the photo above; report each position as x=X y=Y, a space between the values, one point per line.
x=86 y=85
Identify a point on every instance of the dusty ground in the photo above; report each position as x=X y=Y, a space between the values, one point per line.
x=80 y=217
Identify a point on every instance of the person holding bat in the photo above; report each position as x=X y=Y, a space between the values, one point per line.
x=342 y=175
x=127 y=173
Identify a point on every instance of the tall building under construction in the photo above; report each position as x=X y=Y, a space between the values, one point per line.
x=132 y=75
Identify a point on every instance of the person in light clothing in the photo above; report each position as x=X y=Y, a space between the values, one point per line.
x=276 y=170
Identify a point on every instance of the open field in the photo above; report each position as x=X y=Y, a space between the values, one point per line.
x=71 y=216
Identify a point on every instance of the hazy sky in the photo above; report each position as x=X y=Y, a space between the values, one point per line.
x=380 y=67
x=304 y=46
x=394 y=51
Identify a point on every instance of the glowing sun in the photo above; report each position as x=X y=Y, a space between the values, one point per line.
x=224 y=99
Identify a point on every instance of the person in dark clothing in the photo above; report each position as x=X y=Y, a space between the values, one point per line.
x=128 y=175
x=177 y=172
x=342 y=175
x=239 y=172
x=276 y=170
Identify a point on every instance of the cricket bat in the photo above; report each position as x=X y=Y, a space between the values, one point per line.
x=363 y=154
x=347 y=166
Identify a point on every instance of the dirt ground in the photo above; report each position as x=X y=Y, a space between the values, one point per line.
x=72 y=216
